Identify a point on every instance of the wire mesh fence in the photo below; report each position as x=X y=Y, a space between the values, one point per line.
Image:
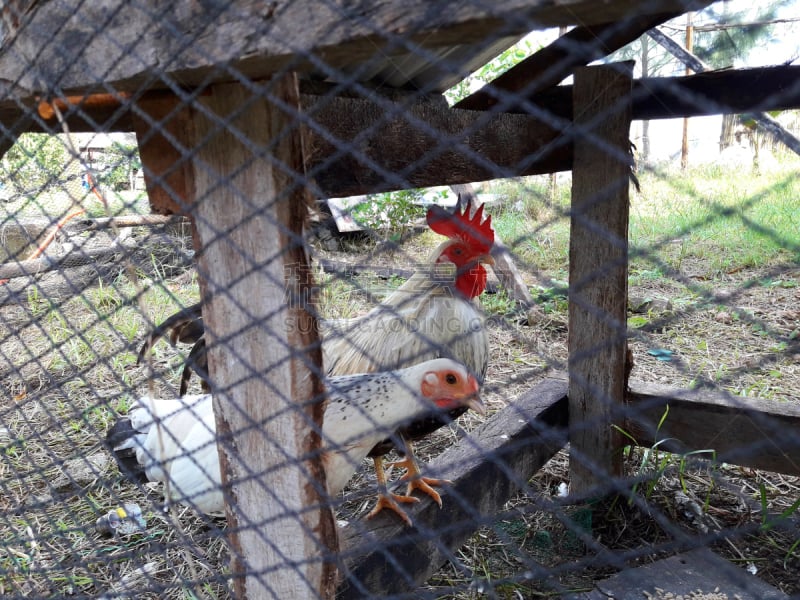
x=397 y=366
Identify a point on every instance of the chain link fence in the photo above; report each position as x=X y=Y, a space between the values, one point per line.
x=382 y=234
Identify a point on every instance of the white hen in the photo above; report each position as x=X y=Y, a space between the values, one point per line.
x=175 y=440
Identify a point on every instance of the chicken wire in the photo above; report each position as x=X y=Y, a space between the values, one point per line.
x=77 y=309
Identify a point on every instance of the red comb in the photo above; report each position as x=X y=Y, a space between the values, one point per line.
x=475 y=231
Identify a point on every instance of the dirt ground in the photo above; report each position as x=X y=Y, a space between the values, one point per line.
x=739 y=335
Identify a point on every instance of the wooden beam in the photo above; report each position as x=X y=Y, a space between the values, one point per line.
x=259 y=330
x=554 y=63
x=163 y=125
x=434 y=145
x=598 y=272
x=702 y=94
x=384 y=557
x=78 y=258
x=685 y=575
x=127 y=46
x=370 y=146
x=752 y=432
x=708 y=93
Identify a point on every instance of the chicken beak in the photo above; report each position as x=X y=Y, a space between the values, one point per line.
x=476 y=404
x=486 y=259
x=473 y=400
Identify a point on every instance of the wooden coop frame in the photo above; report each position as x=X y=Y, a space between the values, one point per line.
x=169 y=121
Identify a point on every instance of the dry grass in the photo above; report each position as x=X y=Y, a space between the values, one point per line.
x=70 y=367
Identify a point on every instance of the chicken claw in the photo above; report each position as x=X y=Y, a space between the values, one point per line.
x=392 y=502
x=414 y=477
x=387 y=499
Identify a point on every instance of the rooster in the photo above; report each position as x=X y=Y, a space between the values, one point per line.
x=431 y=315
x=174 y=441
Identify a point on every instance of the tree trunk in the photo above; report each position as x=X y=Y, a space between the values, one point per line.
x=685 y=137
x=645 y=155
x=726 y=135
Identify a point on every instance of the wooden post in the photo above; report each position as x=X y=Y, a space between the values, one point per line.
x=249 y=213
x=161 y=123
x=598 y=259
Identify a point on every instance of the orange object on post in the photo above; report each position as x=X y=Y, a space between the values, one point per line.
x=47 y=109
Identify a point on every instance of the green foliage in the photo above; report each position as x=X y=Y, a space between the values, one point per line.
x=491 y=70
x=498 y=304
x=721 y=47
x=394 y=211
x=121 y=160
x=34 y=162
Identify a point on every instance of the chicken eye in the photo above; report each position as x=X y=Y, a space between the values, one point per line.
x=451 y=379
x=458 y=251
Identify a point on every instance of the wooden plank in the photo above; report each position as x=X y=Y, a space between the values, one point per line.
x=384 y=557
x=554 y=63
x=249 y=214
x=752 y=432
x=598 y=273
x=75 y=44
x=411 y=150
x=163 y=125
x=686 y=575
x=702 y=94
x=78 y=258
x=379 y=146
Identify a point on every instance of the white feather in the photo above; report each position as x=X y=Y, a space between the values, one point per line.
x=176 y=443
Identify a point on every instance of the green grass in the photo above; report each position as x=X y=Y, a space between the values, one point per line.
x=728 y=220
x=725 y=219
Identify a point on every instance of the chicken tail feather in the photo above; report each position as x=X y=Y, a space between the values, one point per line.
x=121 y=439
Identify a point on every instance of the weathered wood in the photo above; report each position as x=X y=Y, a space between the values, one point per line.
x=752 y=432
x=344 y=270
x=129 y=45
x=554 y=63
x=30 y=229
x=82 y=257
x=504 y=266
x=598 y=273
x=387 y=148
x=125 y=221
x=384 y=557
x=683 y=575
x=162 y=123
x=505 y=146
x=702 y=94
x=259 y=332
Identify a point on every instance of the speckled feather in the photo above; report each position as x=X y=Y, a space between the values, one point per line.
x=362 y=410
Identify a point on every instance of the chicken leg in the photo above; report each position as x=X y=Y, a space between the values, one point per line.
x=385 y=498
x=414 y=477
x=415 y=482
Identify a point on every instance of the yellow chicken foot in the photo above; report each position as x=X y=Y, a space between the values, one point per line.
x=414 y=477
x=386 y=499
